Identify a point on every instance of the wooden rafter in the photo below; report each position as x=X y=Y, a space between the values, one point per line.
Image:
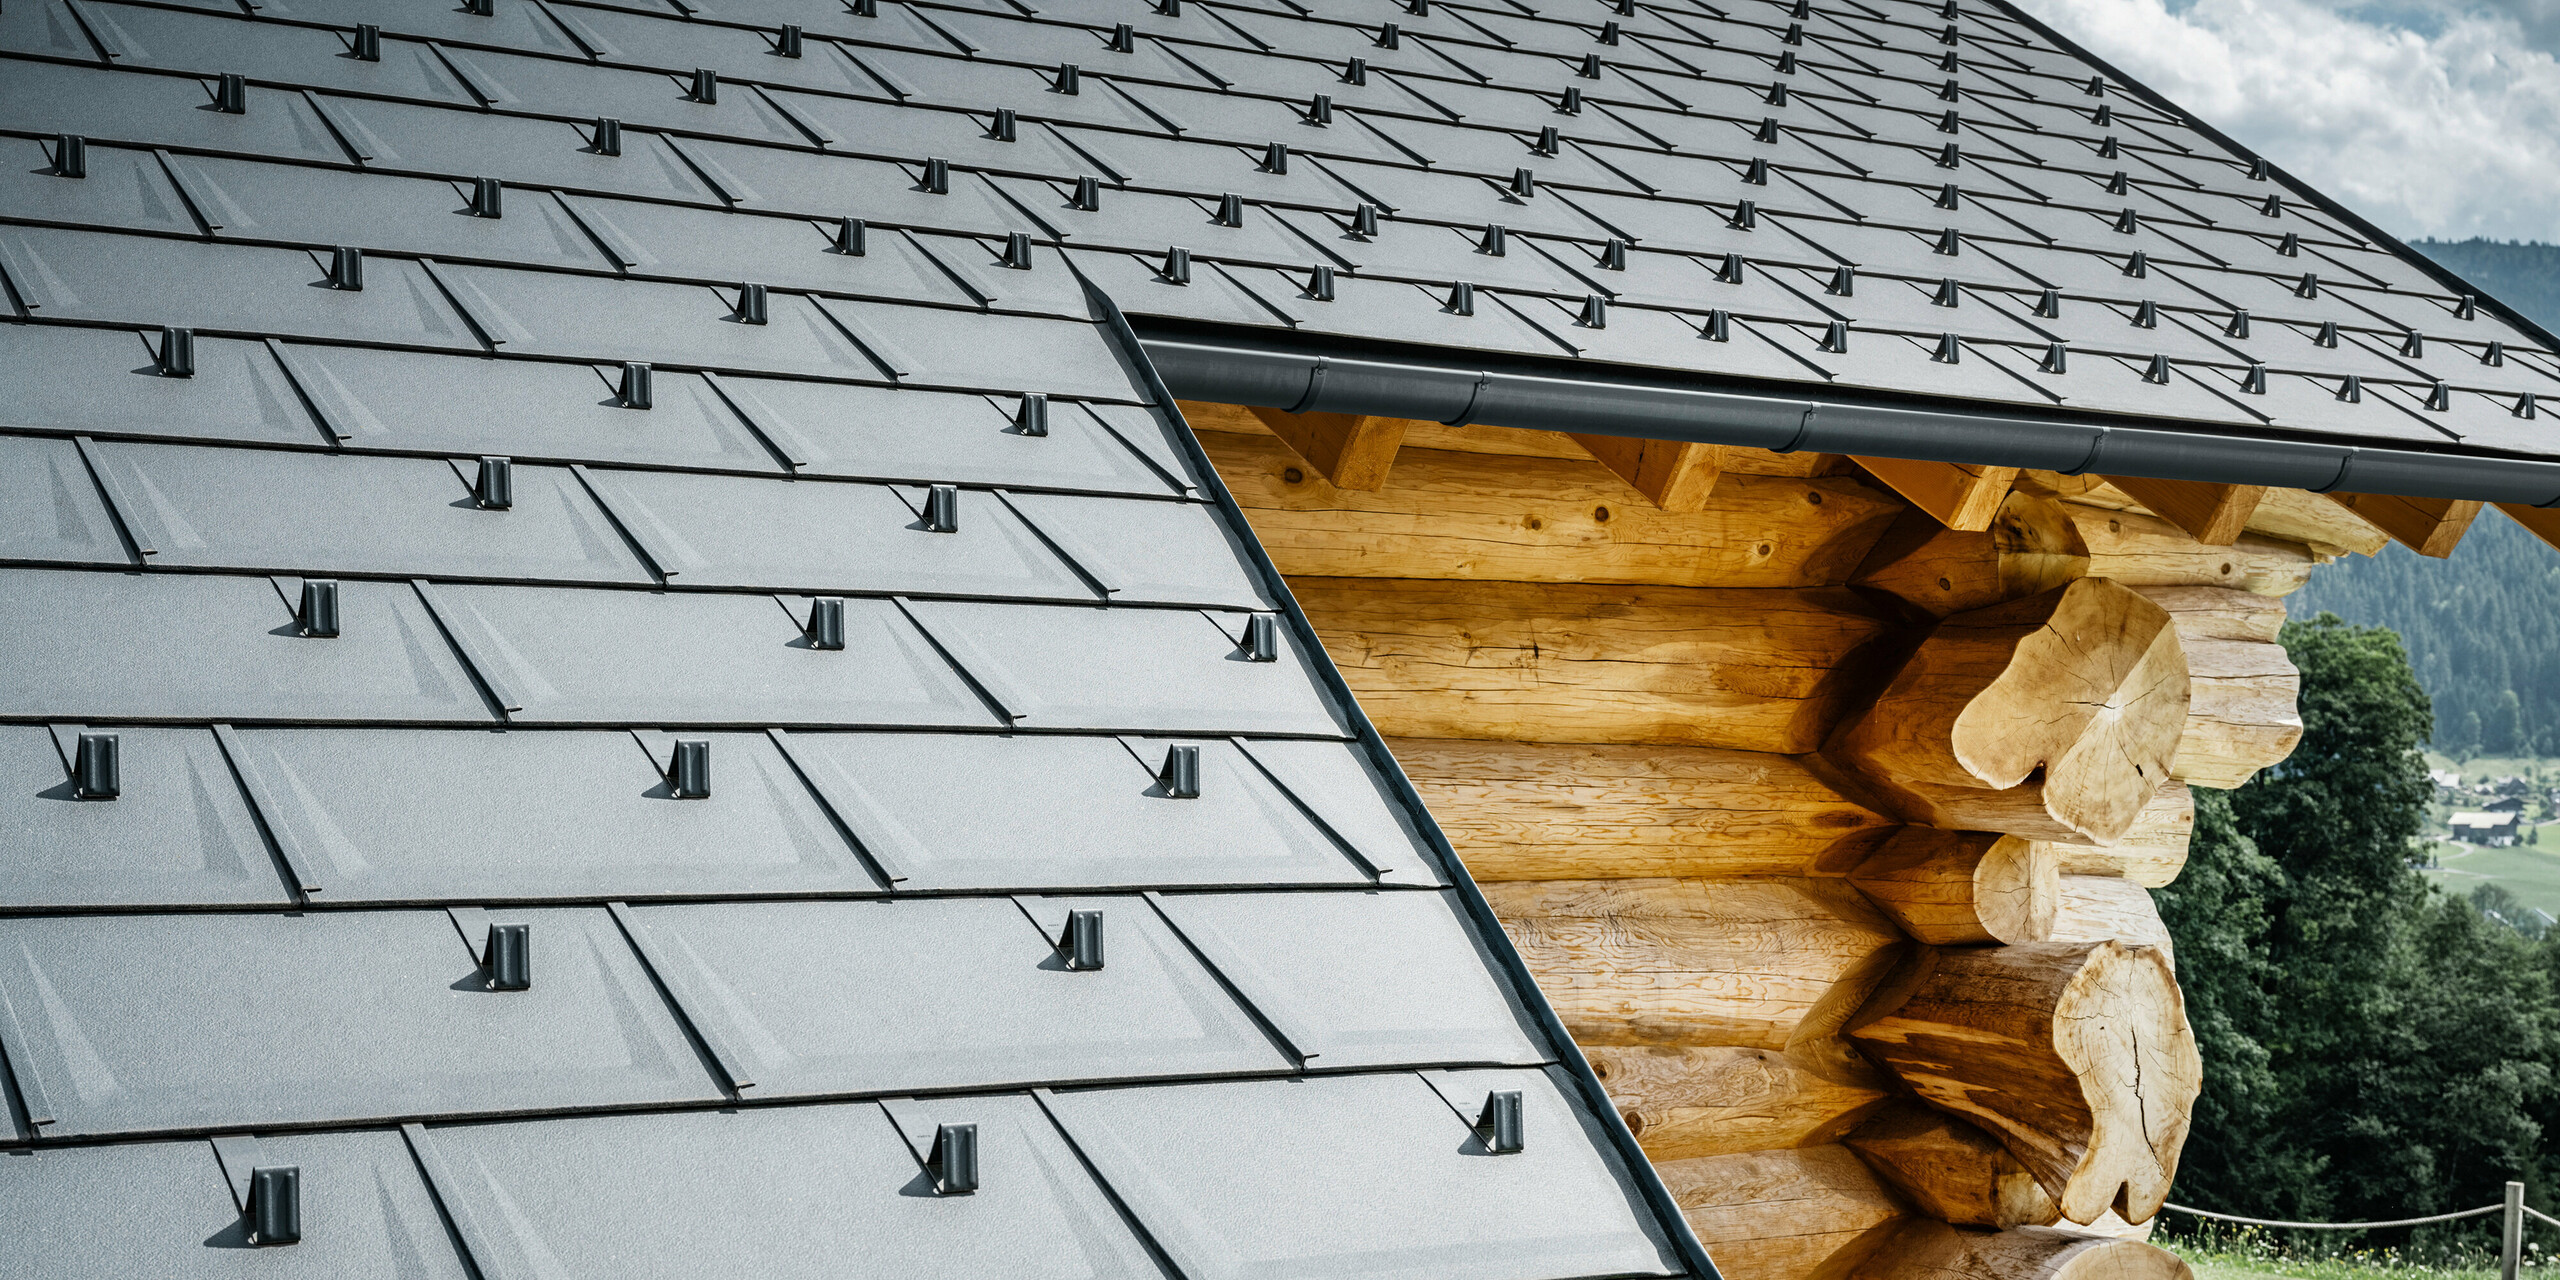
x=1674 y=475
x=2541 y=522
x=1960 y=496
x=2428 y=526
x=1353 y=451
x=2214 y=514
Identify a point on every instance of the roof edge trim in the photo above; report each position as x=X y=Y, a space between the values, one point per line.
x=1302 y=382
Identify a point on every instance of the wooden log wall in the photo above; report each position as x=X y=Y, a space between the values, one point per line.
x=1823 y=797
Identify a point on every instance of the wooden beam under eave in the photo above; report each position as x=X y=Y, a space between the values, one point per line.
x=2214 y=514
x=1961 y=497
x=2428 y=526
x=1674 y=475
x=1353 y=451
x=2541 y=522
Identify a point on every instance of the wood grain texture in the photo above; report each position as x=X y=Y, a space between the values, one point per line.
x=1958 y=888
x=1783 y=1215
x=1926 y=1250
x=2241 y=715
x=1948 y=1169
x=2214 y=514
x=2076 y=1055
x=1690 y=962
x=2142 y=550
x=1674 y=475
x=2152 y=852
x=2095 y=908
x=1720 y=1100
x=1753 y=670
x=2032 y=545
x=1957 y=495
x=1535 y=519
x=2286 y=515
x=1566 y=811
x=1351 y=450
x=2077 y=695
x=2428 y=526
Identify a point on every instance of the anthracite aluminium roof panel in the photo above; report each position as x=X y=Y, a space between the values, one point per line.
x=476 y=816
x=86 y=275
x=209 y=1023
x=1140 y=670
x=939 y=993
x=826 y=535
x=169 y=1208
x=222 y=647
x=469 y=406
x=786 y=1192
x=887 y=433
x=1032 y=812
x=572 y=656
x=178 y=833
x=127 y=188
x=1361 y=979
x=1386 y=1178
x=1147 y=552
x=106 y=381
x=296 y=512
x=50 y=508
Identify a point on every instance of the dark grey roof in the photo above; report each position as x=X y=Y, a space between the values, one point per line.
x=626 y=694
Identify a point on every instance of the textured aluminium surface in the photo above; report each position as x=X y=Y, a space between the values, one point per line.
x=795 y=632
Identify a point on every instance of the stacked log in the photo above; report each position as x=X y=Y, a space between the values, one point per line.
x=1828 y=829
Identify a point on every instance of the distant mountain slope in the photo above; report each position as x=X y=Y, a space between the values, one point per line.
x=2482 y=628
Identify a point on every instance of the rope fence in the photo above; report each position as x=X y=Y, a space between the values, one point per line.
x=2346 y=1226
x=2510 y=1245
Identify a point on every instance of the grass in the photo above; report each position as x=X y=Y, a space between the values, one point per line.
x=2531 y=872
x=2250 y=1254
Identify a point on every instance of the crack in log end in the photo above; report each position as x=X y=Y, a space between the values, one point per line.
x=2034 y=1042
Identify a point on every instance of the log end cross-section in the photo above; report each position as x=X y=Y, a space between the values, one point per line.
x=1954 y=888
x=2080 y=692
x=2077 y=1056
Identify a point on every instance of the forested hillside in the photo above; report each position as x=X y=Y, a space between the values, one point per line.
x=2483 y=628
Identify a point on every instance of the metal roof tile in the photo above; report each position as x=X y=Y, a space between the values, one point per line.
x=123 y=188
x=371 y=816
x=156 y=1023
x=1050 y=812
x=1217 y=294
x=281 y=511
x=1384 y=1177
x=558 y=655
x=822 y=535
x=519 y=149
x=322 y=207
x=1148 y=552
x=900 y=434
x=50 y=508
x=159 y=1208
x=470 y=406
x=596 y=1198
x=58 y=98
x=934 y=993
x=70 y=637
x=1129 y=669
x=1368 y=979
x=85 y=275
x=177 y=833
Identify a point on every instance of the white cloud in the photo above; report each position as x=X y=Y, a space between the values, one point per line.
x=2450 y=131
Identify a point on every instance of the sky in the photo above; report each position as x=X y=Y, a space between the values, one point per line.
x=2432 y=118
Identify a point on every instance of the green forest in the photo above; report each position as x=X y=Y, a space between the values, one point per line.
x=2374 y=1046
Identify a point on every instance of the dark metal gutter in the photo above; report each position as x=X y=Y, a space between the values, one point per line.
x=1238 y=370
